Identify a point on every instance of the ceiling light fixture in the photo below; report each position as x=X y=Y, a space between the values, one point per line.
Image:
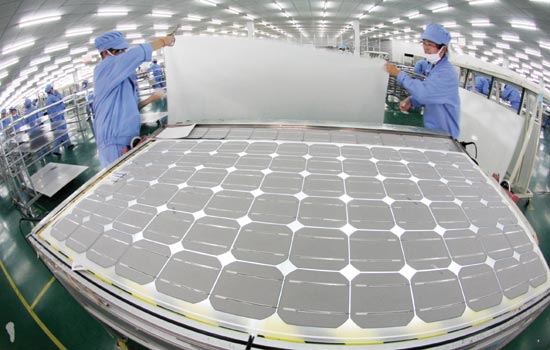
x=533 y=52
x=124 y=27
x=505 y=46
x=40 y=60
x=440 y=8
x=480 y=23
x=157 y=13
x=78 y=31
x=112 y=12
x=55 y=48
x=8 y=63
x=44 y=18
x=19 y=46
x=523 y=25
x=481 y=2
x=509 y=37
x=194 y=18
x=234 y=10
x=209 y=2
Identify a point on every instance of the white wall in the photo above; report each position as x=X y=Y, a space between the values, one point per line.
x=400 y=48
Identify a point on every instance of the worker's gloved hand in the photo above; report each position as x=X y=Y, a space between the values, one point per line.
x=405 y=105
x=158 y=94
x=391 y=69
x=170 y=40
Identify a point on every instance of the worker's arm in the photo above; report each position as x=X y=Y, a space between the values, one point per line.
x=168 y=40
x=157 y=95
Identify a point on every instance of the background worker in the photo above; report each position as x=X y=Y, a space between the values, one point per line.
x=512 y=95
x=156 y=70
x=57 y=119
x=116 y=104
x=438 y=93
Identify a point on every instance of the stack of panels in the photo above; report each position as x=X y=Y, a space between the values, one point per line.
x=319 y=240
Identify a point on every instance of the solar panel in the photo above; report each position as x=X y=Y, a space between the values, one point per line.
x=318 y=240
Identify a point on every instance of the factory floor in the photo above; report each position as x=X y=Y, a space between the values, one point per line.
x=36 y=312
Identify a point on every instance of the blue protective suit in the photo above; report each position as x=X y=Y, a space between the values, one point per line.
x=115 y=105
x=157 y=75
x=6 y=121
x=511 y=94
x=32 y=120
x=57 y=118
x=482 y=84
x=438 y=93
x=422 y=67
x=20 y=122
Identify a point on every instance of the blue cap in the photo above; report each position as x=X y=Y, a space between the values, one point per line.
x=85 y=81
x=48 y=88
x=12 y=109
x=111 y=40
x=437 y=34
x=3 y=111
x=28 y=102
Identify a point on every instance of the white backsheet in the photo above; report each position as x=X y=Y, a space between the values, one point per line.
x=495 y=129
x=213 y=78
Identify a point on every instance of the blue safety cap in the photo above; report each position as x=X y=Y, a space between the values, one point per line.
x=85 y=81
x=28 y=102
x=13 y=109
x=111 y=40
x=3 y=111
x=48 y=88
x=437 y=34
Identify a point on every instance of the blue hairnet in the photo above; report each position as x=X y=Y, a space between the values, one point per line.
x=3 y=111
x=48 y=88
x=85 y=81
x=437 y=34
x=111 y=40
x=28 y=102
x=13 y=109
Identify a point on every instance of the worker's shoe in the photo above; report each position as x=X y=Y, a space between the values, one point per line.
x=57 y=154
x=71 y=146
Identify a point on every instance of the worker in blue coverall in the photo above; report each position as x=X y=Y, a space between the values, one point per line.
x=32 y=120
x=157 y=74
x=5 y=119
x=57 y=119
x=438 y=93
x=512 y=95
x=482 y=84
x=422 y=67
x=116 y=104
x=16 y=117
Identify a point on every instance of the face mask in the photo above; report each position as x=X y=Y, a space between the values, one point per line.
x=433 y=58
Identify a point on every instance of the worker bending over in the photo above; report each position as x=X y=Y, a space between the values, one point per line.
x=438 y=93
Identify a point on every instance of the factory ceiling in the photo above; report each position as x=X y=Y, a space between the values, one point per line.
x=44 y=40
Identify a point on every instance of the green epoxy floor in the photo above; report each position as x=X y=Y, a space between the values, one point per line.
x=45 y=316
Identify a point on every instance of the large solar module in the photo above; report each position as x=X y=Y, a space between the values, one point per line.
x=303 y=236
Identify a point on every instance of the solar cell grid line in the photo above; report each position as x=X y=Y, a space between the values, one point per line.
x=295 y=240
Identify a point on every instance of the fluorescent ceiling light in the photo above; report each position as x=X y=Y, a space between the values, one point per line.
x=4 y=74
x=513 y=59
x=55 y=48
x=234 y=10
x=479 y=35
x=481 y=2
x=39 y=19
x=521 y=55
x=40 y=60
x=8 y=63
x=480 y=23
x=18 y=46
x=488 y=53
x=451 y=24
x=501 y=45
x=124 y=27
x=216 y=21
x=161 y=26
x=160 y=34
x=544 y=45
x=78 y=31
x=395 y=20
x=533 y=52
x=134 y=36
x=440 y=8
x=78 y=50
x=250 y=17
x=62 y=60
x=209 y=2
x=523 y=25
x=28 y=71
x=138 y=41
x=498 y=51
x=186 y=28
x=51 y=67
x=112 y=12
x=509 y=37
x=477 y=42
x=194 y=18
x=157 y=13
x=413 y=14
